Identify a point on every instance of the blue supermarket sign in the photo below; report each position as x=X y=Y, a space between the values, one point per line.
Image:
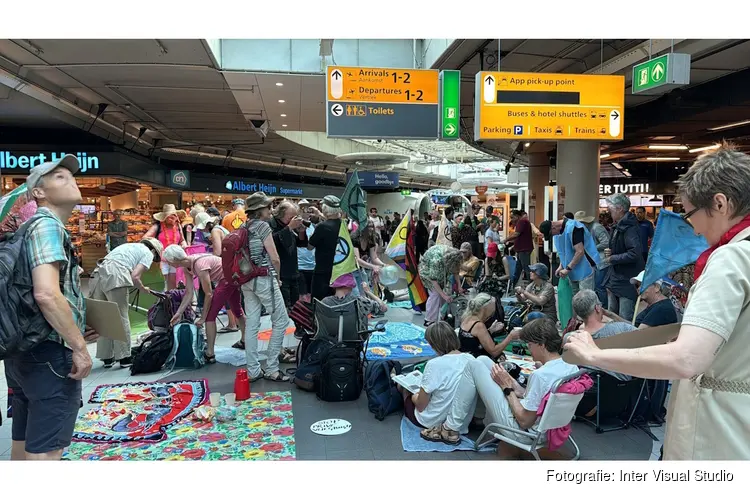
x=10 y=161
x=240 y=186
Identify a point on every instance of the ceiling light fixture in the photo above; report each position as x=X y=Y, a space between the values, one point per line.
x=283 y=115
x=605 y=155
x=617 y=165
x=667 y=146
x=704 y=148
x=284 y=125
x=730 y=125
x=526 y=145
x=279 y=84
x=663 y=158
x=281 y=101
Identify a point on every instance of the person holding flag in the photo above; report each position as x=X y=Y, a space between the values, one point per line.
x=709 y=407
x=402 y=250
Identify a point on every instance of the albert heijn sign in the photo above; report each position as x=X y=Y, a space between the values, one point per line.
x=22 y=162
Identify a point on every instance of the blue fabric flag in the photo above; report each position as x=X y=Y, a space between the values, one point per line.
x=674 y=246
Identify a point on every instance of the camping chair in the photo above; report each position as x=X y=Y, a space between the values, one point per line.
x=558 y=413
x=614 y=398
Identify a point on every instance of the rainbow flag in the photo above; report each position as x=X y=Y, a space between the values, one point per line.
x=404 y=253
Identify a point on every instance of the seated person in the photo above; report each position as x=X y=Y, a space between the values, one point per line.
x=469 y=265
x=508 y=269
x=474 y=336
x=659 y=311
x=539 y=294
x=429 y=407
x=366 y=304
x=508 y=403
x=588 y=308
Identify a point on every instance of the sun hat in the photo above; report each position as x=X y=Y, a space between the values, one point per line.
x=238 y=201
x=167 y=210
x=36 y=173
x=344 y=281
x=155 y=245
x=256 y=201
x=540 y=270
x=202 y=219
x=581 y=216
x=332 y=201
x=304 y=202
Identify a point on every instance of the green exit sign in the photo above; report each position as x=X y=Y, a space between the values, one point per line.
x=450 y=105
x=661 y=74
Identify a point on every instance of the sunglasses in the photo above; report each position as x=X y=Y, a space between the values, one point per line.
x=686 y=217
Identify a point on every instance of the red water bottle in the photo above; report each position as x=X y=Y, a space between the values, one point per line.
x=241 y=385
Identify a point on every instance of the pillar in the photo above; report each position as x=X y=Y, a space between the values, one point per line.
x=578 y=175
x=538 y=182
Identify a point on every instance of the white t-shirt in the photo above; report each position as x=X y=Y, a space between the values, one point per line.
x=132 y=254
x=543 y=379
x=378 y=222
x=440 y=380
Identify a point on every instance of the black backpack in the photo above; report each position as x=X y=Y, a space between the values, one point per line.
x=382 y=396
x=151 y=355
x=310 y=366
x=22 y=325
x=341 y=375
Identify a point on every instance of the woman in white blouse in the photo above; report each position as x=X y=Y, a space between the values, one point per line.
x=709 y=409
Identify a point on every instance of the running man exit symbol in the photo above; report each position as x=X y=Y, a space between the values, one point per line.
x=643 y=77
x=517 y=129
x=450 y=112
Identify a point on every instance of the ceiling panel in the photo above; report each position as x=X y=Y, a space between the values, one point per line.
x=152 y=75
x=118 y=51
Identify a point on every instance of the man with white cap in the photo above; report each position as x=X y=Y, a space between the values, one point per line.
x=46 y=381
x=659 y=311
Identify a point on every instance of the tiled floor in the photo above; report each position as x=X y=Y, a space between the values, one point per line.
x=369 y=439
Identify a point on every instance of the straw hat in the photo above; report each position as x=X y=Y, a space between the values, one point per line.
x=202 y=219
x=168 y=210
x=256 y=201
x=580 y=216
x=155 y=245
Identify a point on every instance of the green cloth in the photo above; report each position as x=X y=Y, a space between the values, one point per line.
x=564 y=301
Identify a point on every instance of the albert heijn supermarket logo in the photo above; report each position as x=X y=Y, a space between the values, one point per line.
x=246 y=187
x=10 y=161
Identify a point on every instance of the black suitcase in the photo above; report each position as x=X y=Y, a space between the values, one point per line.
x=342 y=374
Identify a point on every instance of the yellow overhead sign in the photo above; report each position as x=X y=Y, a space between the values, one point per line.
x=548 y=106
x=412 y=86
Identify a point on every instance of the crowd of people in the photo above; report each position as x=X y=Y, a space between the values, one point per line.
x=296 y=245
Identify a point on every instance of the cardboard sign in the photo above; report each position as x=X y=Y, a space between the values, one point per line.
x=331 y=427
x=645 y=337
x=104 y=317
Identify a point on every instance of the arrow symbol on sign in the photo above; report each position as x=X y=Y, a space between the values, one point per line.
x=658 y=71
x=450 y=129
x=489 y=80
x=615 y=115
x=337 y=109
x=336 y=74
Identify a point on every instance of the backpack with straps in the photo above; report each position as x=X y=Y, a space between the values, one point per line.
x=22 y=324
x=236 y=263
x=383 y=397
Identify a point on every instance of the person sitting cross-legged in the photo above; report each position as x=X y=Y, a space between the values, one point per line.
x=506 y=401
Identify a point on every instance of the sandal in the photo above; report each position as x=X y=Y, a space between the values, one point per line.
x=288 y=356
x=240 y=344
x=228 y=329
x=440 y=434
x=257 y=377
x=210 y=360
x=277 y=377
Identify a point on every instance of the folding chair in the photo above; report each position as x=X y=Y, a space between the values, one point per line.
x=613 y=399
x=558 y=413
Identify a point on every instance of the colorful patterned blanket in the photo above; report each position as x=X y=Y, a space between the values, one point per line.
x=138 y=411
x=399 y=341
x=263 y=430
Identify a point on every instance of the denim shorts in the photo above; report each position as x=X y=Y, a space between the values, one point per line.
x=45 y=400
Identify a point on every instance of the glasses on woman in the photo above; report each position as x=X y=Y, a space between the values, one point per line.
x=686 y=217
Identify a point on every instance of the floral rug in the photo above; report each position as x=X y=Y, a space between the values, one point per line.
x=138 y=411
x=399 y=341
x=263 y=430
